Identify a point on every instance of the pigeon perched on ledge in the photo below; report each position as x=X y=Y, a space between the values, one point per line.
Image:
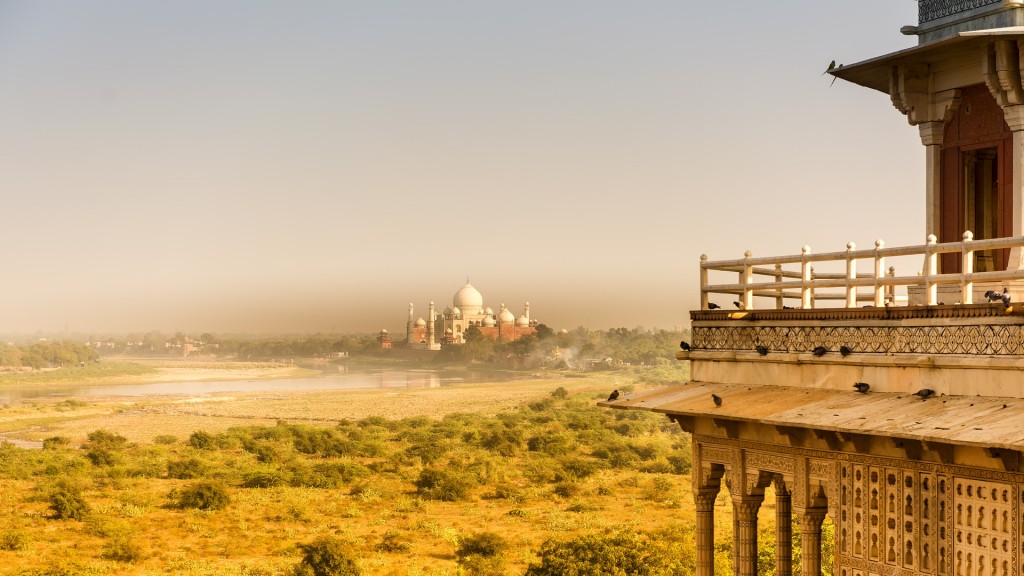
x=819 y=351
x=862 y=387
x=684 y=345
x=762 y=350
x=924 y=393
x=613 y=396
x=716 y=399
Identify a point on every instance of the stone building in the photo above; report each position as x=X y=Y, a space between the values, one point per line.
x=902 y=424
x=467 y=309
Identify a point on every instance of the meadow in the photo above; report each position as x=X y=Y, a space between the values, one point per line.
x=482 y=479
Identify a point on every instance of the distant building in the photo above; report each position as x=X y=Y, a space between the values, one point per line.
x=467 y=310
x=384 y=339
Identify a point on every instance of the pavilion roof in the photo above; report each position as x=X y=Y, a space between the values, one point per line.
x=988 y=422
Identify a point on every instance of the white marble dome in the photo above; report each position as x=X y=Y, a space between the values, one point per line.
x=468 y=299
x=506 y=316
x=522 y=322
x=489 y=321
x=420 y=321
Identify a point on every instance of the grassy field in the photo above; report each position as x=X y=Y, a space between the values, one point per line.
x=402 y=477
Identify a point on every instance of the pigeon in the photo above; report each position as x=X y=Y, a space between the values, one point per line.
x=717 y=399
x=739 y=305
x=993 y=296
x=845 y=350
x=762 y=350
x=924 y=393
x=862 y=387
x=1005 y=297
x=613 y=396
x=684 y=345
x=713 y=306
x=819 y=351
x=787 y=308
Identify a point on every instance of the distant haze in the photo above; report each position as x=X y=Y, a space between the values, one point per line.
x=246 y=165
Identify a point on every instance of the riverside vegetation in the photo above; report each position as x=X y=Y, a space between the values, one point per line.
x=556 y=486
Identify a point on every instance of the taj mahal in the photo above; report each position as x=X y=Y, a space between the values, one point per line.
x=467 y=310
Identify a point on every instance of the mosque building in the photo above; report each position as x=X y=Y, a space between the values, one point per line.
x=467 y=309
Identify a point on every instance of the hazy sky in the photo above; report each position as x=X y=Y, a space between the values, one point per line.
x=247 y=165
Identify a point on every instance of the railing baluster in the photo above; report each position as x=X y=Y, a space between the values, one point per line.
x=851 y=274
x=806 y=291
x=967 y=269
x=780 y=302
x=931 y=268
x=879 y=273
x=890 y=291
x=703 y=282
x=747 y=280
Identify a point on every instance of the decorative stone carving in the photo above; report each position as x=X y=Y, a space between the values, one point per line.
x=1005 y=340
x=770 y=462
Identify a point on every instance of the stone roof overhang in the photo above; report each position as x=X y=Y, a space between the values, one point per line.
x=876 y=72
x=985 y=422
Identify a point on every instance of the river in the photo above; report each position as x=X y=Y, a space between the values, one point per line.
x=385 y=379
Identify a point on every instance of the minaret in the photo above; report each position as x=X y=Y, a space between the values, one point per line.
x=431 y=320
x=526 y=310
x=408 y=327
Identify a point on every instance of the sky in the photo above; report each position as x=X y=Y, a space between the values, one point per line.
x=267 y=166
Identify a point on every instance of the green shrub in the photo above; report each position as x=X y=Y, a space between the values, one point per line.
x=56 y=442
x=394 y=541
x=560 y=393
x=107 y=439
x=187 y=469
x=444 y=485
x=566 y=489
x=680 y=463
x=554 y=444
x=201 y=440
x=66 y=501
x=482 y=544
x=14 y=540
x=621 y=553
x=122 y=549
x=102 y=456
x=482 y=554
x=263 y=479
x=204 y=495
x=326 y=557
x=165 y=439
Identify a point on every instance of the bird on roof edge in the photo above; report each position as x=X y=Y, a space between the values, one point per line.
x=862 y=387
x=684 y=345
x=819 y=351
x=762 y=350
x=716 y=399
x=845 y=350
x=924 y=393
x=614 y=395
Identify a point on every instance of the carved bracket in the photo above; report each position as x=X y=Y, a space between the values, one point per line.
x=1001 y=67
x=911 y=93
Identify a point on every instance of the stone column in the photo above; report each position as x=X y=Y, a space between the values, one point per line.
x=931 y=136
x=783 y=531
x=1015 y=120
x=745 y=512
x=810 y=540
x=704 y=499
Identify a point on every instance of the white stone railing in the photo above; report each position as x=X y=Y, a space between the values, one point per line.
x=803 y=284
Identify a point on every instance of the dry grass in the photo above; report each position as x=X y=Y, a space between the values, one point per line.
x=258 y=532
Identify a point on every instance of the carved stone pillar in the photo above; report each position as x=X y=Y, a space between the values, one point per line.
x=783 y=531
x=745 y=512
x=931 y=136
x=1015 y=120
x=704 y=499
x=810 y=540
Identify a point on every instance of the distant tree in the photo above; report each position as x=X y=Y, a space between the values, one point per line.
x=544 y=332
